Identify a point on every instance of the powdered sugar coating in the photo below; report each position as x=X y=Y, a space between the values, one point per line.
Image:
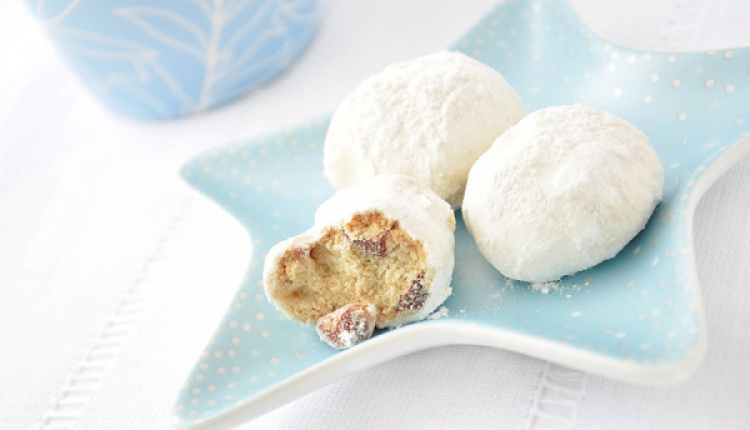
x=420 y=213
x=565 y=189
x=429 y=118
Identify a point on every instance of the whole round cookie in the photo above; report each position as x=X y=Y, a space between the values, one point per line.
x=563 y=190
x=429 y=118
x=380 y=254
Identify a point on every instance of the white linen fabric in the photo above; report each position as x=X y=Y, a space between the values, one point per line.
x=113 y=273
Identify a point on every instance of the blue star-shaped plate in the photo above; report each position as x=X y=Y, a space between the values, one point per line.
x=636 y=318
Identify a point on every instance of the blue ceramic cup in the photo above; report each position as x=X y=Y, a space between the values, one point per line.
x=163 y=58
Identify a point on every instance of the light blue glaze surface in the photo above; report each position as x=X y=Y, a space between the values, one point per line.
x=641 y=308
x=162 y=58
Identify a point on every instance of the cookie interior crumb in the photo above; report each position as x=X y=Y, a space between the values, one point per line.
x=370 y=259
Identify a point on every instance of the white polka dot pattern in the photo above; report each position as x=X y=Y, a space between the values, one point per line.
x=642 y=308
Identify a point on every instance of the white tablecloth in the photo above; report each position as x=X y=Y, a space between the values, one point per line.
x=113 y=273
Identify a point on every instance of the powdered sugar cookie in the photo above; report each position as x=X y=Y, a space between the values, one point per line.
x=563 y=190
x=429 y=118
x=384 y=250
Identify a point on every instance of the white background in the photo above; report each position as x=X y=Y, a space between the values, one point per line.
x=113 y=273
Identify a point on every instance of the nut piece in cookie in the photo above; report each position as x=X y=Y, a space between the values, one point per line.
x=415 y=297
x=347 y=326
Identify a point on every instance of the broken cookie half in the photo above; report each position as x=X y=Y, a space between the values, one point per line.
x=379 y=255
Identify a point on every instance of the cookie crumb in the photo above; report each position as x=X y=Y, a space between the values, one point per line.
x=440 y=313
